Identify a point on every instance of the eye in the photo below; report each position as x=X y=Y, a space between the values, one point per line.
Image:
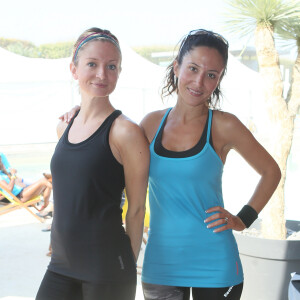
x=211 y=75
x=112 y=67
x=193 y=69
x=91 y=64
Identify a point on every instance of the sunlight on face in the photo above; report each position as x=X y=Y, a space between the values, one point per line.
x=98 y=68
x=199 y=75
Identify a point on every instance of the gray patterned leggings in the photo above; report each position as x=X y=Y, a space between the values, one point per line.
x=164 y=292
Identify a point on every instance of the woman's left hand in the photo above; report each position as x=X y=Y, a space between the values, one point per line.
x=225 y=218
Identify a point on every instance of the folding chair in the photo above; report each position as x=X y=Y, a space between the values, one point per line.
x=15 y=203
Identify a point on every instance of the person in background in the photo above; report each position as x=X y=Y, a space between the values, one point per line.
x=47 y=211
x=98 y=154
x=7 y=167
x=5 y=163
x=21 y=190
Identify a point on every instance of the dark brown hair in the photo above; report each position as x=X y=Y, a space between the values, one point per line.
x=197 y=38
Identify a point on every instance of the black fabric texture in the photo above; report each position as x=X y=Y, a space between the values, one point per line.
x=88 y=240
x=248 y=215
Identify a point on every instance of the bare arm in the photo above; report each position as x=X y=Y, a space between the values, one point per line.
x=133 y=149
x=234 y=135
x=11 y=183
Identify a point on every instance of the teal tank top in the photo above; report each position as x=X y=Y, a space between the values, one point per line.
x=16 y=189
x=181 y=250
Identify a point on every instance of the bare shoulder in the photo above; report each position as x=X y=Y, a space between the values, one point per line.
x=226 y=123
x=125 y=130
x=225 y=118
x=60 y=129
x=127 y=141
x=229 y=132
x=150 y=123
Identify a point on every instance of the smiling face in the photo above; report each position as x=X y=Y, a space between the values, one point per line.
x=198 y=75
x=98 y=68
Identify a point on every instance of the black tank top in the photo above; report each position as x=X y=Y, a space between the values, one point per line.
x=88 y=240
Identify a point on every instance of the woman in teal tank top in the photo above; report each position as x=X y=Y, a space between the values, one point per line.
x=190 y=243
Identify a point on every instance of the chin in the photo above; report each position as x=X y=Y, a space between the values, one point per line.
x=197 y=103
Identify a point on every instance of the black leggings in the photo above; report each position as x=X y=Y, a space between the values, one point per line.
x=164 y=292
x=58 y=287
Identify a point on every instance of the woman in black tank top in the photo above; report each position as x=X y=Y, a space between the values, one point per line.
x=188 y=150
x=98 y=154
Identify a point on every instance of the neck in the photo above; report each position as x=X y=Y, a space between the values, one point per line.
x=94 y=108
x=185 y=113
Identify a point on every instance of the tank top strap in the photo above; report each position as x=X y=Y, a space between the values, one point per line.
x=209 y=126
x=110 y=119
x=66 y=132
x=161 y=123
x=105 y=126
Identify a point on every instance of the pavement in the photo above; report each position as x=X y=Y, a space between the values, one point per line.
x=23 y=260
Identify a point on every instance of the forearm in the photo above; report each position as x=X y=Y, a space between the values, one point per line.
x=263 y=192
x=265 y=188
x=11 y=184
x=135 y=228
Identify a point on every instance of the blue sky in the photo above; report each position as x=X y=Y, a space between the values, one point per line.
x=135 y=22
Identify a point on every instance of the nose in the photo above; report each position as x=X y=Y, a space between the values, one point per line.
x=101 y=73
x=200 y=78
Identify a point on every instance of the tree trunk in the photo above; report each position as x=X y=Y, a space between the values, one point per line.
x=280 y=139
x=294 y=101
x=275 y=210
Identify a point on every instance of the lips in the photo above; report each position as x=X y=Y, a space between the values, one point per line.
x=194 y=92
x=99 y=85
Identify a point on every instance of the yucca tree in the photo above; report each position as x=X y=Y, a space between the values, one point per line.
x=262 y=18
x=292 y=33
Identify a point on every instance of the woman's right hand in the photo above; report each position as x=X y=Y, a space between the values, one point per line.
x=67 y=117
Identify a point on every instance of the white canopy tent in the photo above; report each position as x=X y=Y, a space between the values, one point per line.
x=35 y=91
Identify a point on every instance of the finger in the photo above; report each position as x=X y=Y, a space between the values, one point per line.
x=219 y=222
x=70 y=116
x=213 y=217
x=215 y=208
x=222 y=228
x=63 y=118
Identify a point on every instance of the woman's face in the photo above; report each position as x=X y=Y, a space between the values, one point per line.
x=98 y=68
x=198 y=75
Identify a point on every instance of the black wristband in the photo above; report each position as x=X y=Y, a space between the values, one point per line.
x=248 y=215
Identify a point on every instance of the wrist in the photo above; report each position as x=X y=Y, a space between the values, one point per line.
x=248 y=215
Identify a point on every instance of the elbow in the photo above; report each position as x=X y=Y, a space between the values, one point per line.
x=276 y=174
x=136 y=215
x=140 y=214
